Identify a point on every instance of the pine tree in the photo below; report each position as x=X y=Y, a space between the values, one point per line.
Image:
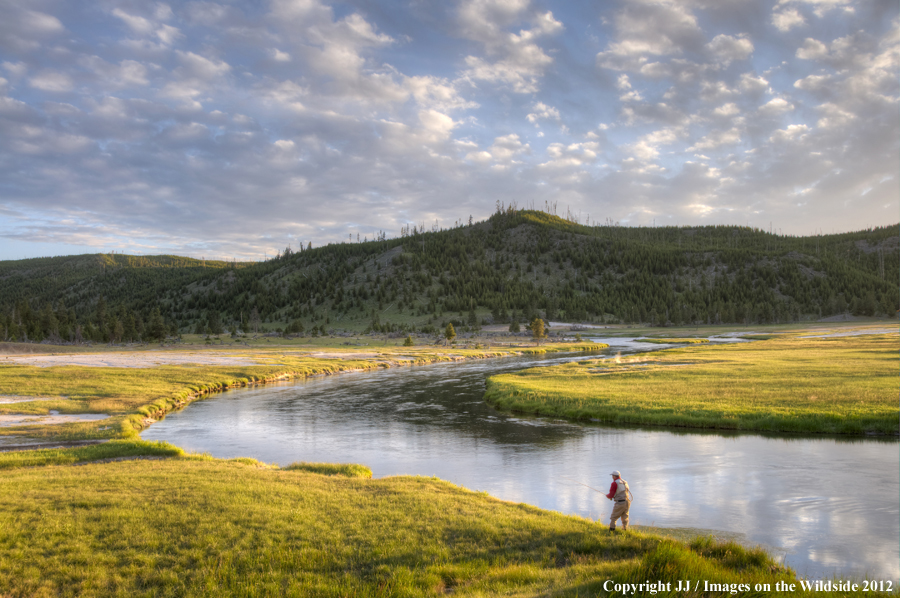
x=156 y=329
x=450 y=333
x=537 y=329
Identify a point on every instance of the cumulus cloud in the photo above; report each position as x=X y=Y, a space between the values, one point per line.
x=133 y=122
x=513 y=59
x=543 y=112
x=812 y=49
x=791 y=133
x=751 y=83
x=786 y=19
x=508 y=147
x=727 y=110
x=573 y=155
x=716 y=139
x=647 y=146
x=776 y=106
x=726 y=48
x=650 y=29
x=820 y=7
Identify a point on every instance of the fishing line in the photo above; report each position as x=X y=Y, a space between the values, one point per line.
x=594 y=489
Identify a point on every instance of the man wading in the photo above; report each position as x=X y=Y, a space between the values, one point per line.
x=620 y=493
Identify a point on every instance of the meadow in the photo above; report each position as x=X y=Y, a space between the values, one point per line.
x=140 y=392
x=134 y=518
x=189 y=525
x=789 y=383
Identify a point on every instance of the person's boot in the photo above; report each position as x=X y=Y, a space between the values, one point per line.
x=624 y=528
x=612 y=528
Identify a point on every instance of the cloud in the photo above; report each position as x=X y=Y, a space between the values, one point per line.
x=329 y=116
x=716 y=139
x=786 y=19
x=508 y=147
x=650 y=29
x=752 y=83
x=54 y=81
x=280 y=56
x=151 y=25
x=513 y=60
x=833 y=116
x=812 y=49
x=776 y=106
x=573 y=155
x=24 y=30
x=791 y=133
x=543 y=112
x=726 y=48
x=647 y=147
x=727 y=110
x=437 y=125
x=437 y=93
x=821 y=7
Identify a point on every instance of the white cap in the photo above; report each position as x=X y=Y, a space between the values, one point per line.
x=616 y=473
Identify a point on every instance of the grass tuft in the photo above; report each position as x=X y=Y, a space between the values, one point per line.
x=114 y=449
x=349 y=470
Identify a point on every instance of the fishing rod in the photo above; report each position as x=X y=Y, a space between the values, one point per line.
x=592 y=488
x=585 y=485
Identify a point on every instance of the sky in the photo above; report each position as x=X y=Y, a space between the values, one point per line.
x=235 y=129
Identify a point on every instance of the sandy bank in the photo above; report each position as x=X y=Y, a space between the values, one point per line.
x=144 y=359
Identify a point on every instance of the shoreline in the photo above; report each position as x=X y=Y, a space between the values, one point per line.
x=291 y=376
x=787 y=385
x=142 y=415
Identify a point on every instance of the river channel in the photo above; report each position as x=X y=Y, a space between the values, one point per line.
x=831 y=506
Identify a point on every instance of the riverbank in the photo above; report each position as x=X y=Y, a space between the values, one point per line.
x=818 y=385
x=191 y=525
x=133 y=389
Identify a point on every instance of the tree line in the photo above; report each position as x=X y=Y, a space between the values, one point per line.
x=514 y=267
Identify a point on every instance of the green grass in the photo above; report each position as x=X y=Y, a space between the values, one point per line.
x=673 y=341
x=843 y=385
x=350 y=470
x=135 y=397
x=114 y=449
x=188 y=526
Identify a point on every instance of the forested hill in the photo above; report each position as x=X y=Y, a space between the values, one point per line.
x=516 y=265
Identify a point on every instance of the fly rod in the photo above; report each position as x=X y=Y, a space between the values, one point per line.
x=585 y=485
x=592 y=488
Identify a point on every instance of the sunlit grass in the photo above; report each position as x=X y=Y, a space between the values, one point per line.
x=843 y=385
x=134 y=397
x=350 y=470
x=673 y=341
x=188 y=526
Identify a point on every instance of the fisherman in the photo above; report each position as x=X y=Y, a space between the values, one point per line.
x=620 y=493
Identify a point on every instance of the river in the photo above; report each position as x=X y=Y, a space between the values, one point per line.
x=831 y=506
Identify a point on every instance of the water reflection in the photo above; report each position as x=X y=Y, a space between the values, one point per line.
x=832 y=504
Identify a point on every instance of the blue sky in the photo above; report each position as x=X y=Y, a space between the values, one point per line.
x=235 y=129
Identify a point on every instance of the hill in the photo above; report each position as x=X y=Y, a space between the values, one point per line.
x=516 y=265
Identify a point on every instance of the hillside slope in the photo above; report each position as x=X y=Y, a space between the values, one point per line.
x=516 y=265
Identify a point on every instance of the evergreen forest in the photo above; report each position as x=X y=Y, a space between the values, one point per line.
x=508 y=269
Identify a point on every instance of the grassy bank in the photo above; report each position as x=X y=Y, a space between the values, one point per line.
x=134 y=397
x=673 y=341
x=842 y=385
x=195 y=526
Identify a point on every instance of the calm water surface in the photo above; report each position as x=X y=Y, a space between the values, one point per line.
x=831 y=505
